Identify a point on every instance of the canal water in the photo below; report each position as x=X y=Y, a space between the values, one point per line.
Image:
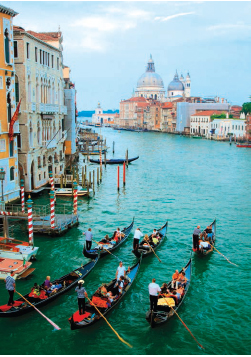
x=186 y=182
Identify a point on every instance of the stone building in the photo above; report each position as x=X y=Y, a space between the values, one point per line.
x=101 y=118
x=168 y=120
x=222 y=128
x=39 y=78
x=200 y=122
x=179 y=88
x=8 y=99
x=248 y=127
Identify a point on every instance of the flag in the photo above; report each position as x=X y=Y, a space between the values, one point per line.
x=13 y=120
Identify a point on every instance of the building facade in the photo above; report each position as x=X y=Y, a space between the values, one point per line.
x=8 y=99
x=200 y=123
x=223 y=128
x=248 y=127
x=101 y=118
x=39 y=77
x=179 y=87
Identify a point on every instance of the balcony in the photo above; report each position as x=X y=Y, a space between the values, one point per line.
x=45 y=108
x=32 y=107
x=63 y=109
x=64 y=137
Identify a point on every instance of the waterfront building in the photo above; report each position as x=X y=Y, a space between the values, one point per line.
x=179 y=87
x=150 y=84
x=186 y=109
x=9 y=96
x=248 y=127
x=128 y=113
x=222 y=128
x=99 y=117
x=200 y=122
x=168 y=119
x=39 y=77
x=69 y=124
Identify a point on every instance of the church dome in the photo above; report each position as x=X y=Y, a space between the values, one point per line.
x=176 y=84
x=150 y=78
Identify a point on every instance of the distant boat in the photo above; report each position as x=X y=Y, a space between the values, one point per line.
x=247 y=145
x=16 y=249
x=114 y=161
x=197 y=137
x=68 y=191
x=18 y=266
x=94 y=152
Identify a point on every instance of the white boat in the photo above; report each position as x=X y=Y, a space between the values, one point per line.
x=68 y=191
x=21 y=268
x=16 y=249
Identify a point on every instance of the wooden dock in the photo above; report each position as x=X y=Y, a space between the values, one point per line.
x=63 y=222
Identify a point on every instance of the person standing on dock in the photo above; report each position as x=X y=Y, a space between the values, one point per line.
x=196 y=234
x=137 y=235
x=82 y=294
x=10 y=286
x=88 y=238
x=154 y=289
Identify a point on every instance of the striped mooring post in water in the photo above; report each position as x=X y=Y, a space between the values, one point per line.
x=22 y=195
x=30 y=221
x=75 y=198
x=52 y=206
x=52 y=184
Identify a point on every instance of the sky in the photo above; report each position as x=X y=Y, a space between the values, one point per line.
x=107 y=45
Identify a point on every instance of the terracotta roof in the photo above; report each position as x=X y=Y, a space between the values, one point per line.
x=41 y=36
x=236 y=107
x=167 y=105
x=18 y=28
x=208 y=113
x=142 y=105
x=135 y=99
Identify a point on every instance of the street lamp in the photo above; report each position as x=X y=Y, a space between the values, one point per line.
x=2 y=177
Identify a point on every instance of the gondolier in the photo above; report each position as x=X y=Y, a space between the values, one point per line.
x=154 y=289
x=196 y=235
x=137 y=235
x=81 y=297
x=88 y=238
x=10 y=286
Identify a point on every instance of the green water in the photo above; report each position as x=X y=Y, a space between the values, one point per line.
x=188 y=182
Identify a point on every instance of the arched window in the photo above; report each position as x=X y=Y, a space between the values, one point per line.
x=9 y=107
x=53 y=94
x=16 y=88
x=49 y=93
x=38 y=134
x=39 y=162
x=11 y=148
x=31 y=135
x=12 y=173
x=54 y=130
x=7 y=46
x=44 y=163
x=155 y=97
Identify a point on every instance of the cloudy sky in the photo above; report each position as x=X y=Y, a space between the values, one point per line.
x=107 y=45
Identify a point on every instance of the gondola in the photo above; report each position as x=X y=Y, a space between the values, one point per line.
x=146 y=250
x=91 y=315
x=204 y=251
x=93 y=252
x=114 y=161
x=68 y=281
x=164 y=313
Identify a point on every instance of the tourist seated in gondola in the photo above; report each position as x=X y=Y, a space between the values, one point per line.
x=154 y=233
x=103 y=290
x=35 y=289
x=105 y=240
x=47 y=284
x=182 y=280
x=164 y=289
x=110 y=299
x=180 y=292
x=120 y=235
x=54 y=288
x=175 y=278
x=204 y=245
x=209 y=232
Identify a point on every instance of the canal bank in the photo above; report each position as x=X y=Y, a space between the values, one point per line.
x=176 y=178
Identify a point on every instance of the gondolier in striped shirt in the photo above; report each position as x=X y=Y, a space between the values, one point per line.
x=88 y=237
x=196 y=235
x=154 y=289
x=10 y=286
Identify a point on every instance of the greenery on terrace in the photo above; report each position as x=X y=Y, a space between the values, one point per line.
x=221 y=116
x=246 y=107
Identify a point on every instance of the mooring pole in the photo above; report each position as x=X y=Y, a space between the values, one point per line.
x=52 y=206
x=75 y=201
x=113 y=146
x=22 y=195
x=93 y=182
x=127 y=157
x=118 y=177
x=30 y=221
x=98 y=176
x=124 y=174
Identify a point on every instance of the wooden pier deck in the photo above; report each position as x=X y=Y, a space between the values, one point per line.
x=63 y=222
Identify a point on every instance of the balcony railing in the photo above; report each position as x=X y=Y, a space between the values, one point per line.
x=63 y=109
x=45 y=108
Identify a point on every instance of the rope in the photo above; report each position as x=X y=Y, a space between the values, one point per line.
x=116 y=333
x=224 y=256
x=108 y=251
x=153 y=250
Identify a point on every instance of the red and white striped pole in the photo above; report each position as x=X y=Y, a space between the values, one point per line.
x=75 y=199
x=52 y=184
x=30 y=221
x=22 y=195
x=52 y=209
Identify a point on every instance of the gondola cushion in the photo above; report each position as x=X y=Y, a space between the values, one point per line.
x=6 y=307
x=79 y=318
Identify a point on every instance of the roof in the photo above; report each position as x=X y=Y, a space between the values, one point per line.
x=167 y=105
x=44 y=36
x=8 y=11
x=135 y=99
x=208 y=113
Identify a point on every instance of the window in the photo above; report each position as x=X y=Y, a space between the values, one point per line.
x=7 y=46
x=1 y=82
x=57 y=63
x=35 y=54
x=2 y=145
x=45 y=58
x=44 y=175
x=15 y=50
x=232 y=126
x=39 y=177
x=39 y=162
x=52 y=61
x=11 y=148
x=48 y=60
x=44 y=163
x=41 y=57
x=27 y=50
x=19 y=141
x=12 y=173
x=9 y=107
x=242 y=127
x=16 y=89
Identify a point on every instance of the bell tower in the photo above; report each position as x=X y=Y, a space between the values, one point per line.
x=187 y=85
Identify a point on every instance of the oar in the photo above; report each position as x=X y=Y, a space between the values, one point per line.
x=153 y=250
x=184 y=324
x=108 y=251
x=120 y=338
x=224 y=256
x=51 y=322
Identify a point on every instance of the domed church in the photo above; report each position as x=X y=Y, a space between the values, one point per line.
x=150 y=84
x=179 y=87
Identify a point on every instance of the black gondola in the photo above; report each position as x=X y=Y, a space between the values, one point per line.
x=164 y=313
x=67 y=281
x=93 y=252
x=146 y=250
x=212 y=238
x=113 y=161
x=91 y=315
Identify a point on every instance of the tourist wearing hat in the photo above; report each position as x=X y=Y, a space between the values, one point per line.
x=196 y=234
x=81 y=296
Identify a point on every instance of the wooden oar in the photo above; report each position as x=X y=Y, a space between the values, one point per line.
x=153 y=250
x=224 y=256
x=184 y=324
x=116 y=333
x=108 y=251
x=51 y=322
